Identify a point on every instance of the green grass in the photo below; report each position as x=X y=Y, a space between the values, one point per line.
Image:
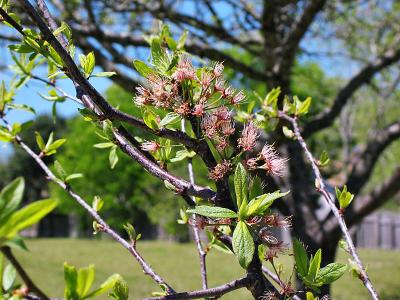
x=178 y=265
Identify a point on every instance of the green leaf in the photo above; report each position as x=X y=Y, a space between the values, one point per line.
x=300 y=257
x=39 y=141
x=182 y=39
x=16 y=243
x=104 y=74
x=27 y=216
x=150 y=119
x=323 y=159
x=89 y=64
x=344 y=197
x=330 y=273
x=71 y=282
x=21 y=107
x=6 y=136
x=105 y=286
x=9 y=276
x=260 y=204
x=97 y=203
x=103 y=145
x=120 y=290
x=171 y=117
x=84 y=281
x=10 y=197
x=113 y=157
x=302 y=107
x=243 y=244
x=241 y=185
x=142 y=68
x=60 y=170
x=182 y=154
x=160 y=57
x=73 y=176
x=315 y=264
x=52 y=148
x=212 y=211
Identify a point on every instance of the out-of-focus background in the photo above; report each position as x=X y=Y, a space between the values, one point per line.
x=342 y=50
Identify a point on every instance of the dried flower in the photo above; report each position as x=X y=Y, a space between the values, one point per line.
x=220 y=170
x=183 y=109
x=228 y=92
x=198 y=110
x=218 y=69
x=249 y=137
x=219 y=85
x=275 y=221
x=269 y=296
x=206 y=79
x=238 y=98
x=251 y=163
x=150 y=146
x=273 y=163
x=274 y=250
x=143 y=96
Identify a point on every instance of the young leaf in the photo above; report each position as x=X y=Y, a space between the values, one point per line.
x=97 y=203
x=27 y=216
x=105 y=286
x=60 y=170
x=120 y=290
x=260 y=204
x=103 y=145
x=142 y=68
x=171 y=117
x=113 y=157
x=344 y=197
x=71 y=282
x=212 y=211
x=315 y=264
x=73 y=176
x=9 y=276
x=104 y=74
x=300 y=257
x=323 y=159
x=330 y=273
x=241 y=185
x=39 y=141
x=243 y=244
x=10 y=197
x=84 y=281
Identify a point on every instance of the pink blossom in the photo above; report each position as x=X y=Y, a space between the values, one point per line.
x=184 y=70
x=150 y=146
x=273 y=163
x=249 y=137
x=238 y=98
x=218 y=69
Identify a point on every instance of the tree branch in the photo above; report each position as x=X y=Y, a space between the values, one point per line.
x=215 y=292
x=326 y=118
x=103 y=226
x=320 y=185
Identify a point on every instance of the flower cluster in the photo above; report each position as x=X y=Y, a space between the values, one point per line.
x=218 y=126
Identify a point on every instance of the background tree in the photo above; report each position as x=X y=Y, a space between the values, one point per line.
x=271 y=33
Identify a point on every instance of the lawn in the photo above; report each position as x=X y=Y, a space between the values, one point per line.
x=178 y=264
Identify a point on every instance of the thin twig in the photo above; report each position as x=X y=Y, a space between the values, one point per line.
x=103 y=226
x=321 y=188
x=196 y=233
x=209 y=293
x=32 y=287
